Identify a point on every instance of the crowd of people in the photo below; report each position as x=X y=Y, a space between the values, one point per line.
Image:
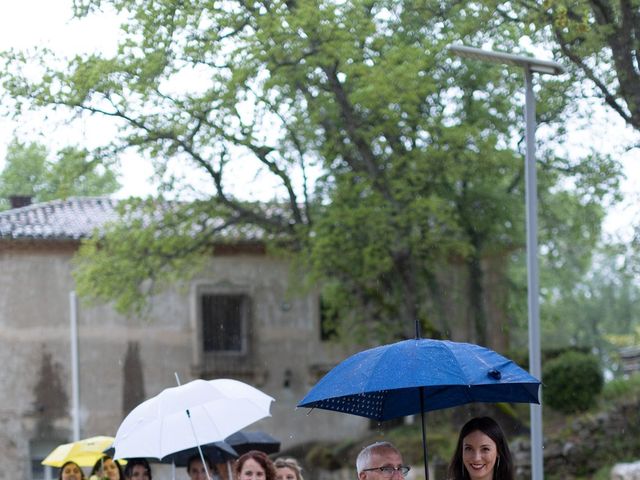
x=481 y=453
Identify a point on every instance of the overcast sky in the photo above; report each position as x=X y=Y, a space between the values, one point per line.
x=27 y=23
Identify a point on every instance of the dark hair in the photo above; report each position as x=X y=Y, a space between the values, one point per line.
x=503 y=469
x=263 y=460
x=70 y=463
x=134 y=462
x=98 y=466
x=196 y=457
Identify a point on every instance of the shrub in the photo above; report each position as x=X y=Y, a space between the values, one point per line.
x=622 y=387
x=321 y=456
x=572 y=382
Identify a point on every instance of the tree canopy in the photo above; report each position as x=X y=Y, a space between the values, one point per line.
x=29 y=171
x=397 y=166
x=600 y=39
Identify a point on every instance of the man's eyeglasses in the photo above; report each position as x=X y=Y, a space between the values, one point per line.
x=388 y=471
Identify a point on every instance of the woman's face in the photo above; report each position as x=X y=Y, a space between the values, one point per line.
x=479 y=454
x=71 y=471
x=139 y=472
x=110 y=470
x=197 y=471
x=252 y=470
x=285 y=473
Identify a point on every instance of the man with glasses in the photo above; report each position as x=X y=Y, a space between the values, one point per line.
x=380 y=461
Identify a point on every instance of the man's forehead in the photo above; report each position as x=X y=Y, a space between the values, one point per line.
x=387 y=455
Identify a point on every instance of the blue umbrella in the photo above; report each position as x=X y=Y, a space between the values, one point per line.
x=419 y=375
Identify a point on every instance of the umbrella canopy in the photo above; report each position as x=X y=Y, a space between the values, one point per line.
x=217 y=452
x=385 y=382
x=196 y=413
x=419 y=375
x=243 y=442
x=85 y=452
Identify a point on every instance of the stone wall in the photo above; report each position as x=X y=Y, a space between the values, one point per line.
x=123 y=359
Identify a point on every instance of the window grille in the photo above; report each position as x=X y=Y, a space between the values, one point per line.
x=223 y=323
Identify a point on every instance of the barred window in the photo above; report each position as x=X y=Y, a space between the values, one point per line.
x=223 y=323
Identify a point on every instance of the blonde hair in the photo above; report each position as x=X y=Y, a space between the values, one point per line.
x=291 y=463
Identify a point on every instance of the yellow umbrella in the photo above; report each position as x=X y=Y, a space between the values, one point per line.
x=84 y=452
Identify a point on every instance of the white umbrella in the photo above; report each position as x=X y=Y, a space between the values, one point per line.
x=189 y=415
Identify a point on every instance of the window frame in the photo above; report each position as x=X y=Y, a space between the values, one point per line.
x=243 y=333
x=207 y=361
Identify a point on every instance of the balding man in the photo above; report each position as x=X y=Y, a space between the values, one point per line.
x=380 y=461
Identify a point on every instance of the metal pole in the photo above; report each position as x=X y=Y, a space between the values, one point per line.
x=75 y=376
x=531 y=194
x=424 y=435
x=195 y=436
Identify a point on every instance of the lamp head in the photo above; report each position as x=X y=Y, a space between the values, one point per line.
x=530 y=63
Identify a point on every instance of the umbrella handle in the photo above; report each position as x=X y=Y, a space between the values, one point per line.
x=424 y=435
x=229 y=471
x=204 y=464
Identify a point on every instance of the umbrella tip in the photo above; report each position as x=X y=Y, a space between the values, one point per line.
x=495 y=374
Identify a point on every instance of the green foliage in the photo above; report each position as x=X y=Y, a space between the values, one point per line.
x=28 y=171
x=595 y=305
x=619 y=388
x=572 y=382
x=592 y=38
x=154 y=240
x=322 y=456
x=412 y=194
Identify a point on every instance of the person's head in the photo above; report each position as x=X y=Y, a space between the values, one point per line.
x=255 y=465
x=288 y=469
x=70 y=471
x=195 y=467
x=107 y=467
x=380 y=461
x=137 y=469
x=482 y=452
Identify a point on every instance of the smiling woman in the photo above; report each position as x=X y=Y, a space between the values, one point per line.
x=482 y=452
x=255 y=465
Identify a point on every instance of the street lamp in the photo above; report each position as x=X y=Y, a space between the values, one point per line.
x=529 y=65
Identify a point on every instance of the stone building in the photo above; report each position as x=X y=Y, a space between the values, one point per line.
x=272 y=339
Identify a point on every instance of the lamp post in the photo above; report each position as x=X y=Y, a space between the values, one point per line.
x=529 y=65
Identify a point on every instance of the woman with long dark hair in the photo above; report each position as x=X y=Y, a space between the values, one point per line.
x=482 y=452
x=107 y=467
x=137 y=469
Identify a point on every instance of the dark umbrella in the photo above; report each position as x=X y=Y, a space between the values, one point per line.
x=242 y=442
x=419 y=375
x=217 y=452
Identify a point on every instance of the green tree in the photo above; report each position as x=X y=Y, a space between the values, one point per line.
x=420 y=165
x=600 y=310
x=28 y=171
x=600 y=40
